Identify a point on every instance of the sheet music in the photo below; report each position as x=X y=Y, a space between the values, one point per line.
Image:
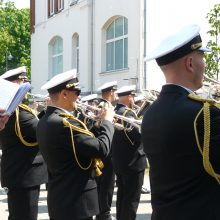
x=12 y=94
x=7 y=93
x=23 y=89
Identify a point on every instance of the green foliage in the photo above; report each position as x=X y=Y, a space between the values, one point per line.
x=213 y=58
x=14 y=36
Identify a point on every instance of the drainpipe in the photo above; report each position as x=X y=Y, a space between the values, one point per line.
x=92 y=45
x=145 y=44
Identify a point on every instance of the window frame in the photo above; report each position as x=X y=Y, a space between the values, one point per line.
x=52 y=7
x=53 y=56
x=114 y=40
x=75 y=52
x=73 y=2
x=60 y=5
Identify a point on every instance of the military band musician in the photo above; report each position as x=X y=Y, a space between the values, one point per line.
x=129 y=160
x=71 y=151
x=22 y=167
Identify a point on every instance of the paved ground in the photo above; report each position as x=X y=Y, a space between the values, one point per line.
x=144 y=209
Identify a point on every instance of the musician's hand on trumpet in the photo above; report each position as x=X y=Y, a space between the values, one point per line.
x=107 y=112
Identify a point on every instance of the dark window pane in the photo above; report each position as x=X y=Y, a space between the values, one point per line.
x=119 y=27
x=110 y=32
x=119 y=54
x=57 y=65
x=125 y=26
x=77 y=41
x=110 y=56
x=126 y=53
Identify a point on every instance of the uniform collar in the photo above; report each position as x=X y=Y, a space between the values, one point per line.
x=175 y=88
x=189 y=90
x=51 y=108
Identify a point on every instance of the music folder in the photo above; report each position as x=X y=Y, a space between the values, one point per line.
x=11 y=95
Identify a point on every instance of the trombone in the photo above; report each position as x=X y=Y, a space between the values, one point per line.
x=148 y=99
x=213 y=89
x=211 y=80
x=37 y=96
x=133 y=122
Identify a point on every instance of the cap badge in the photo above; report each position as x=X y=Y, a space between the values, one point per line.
x=70 y=85
x=196 y=46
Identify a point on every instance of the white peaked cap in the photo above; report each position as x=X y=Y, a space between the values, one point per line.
x=108 y=86
x=14 y=72
x=60 y=79
x=89 y=97
x=177 y=45
x=126 y=90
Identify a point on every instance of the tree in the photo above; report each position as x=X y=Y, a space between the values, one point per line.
x=14 y=37
x=213 y=58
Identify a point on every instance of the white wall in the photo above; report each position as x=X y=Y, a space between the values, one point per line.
x=162 y=16
x=78 y=19
x=104 y=11
x=65 y=24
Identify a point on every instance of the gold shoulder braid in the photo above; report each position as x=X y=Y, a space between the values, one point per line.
x=205 y=150
x=95 y=163
x=17 y=125
x=125 y=130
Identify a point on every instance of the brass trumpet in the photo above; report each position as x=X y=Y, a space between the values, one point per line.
x=133 y=122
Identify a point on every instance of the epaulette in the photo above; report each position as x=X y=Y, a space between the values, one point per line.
x=94 y=162
x=17 y=125
x=195 y=97
x=207 y=103
x=28 y=109
x=83 y=129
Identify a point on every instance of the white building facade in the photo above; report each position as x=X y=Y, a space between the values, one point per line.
x=104 y=40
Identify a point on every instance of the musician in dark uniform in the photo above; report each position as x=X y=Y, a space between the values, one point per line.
x=140 y=102
x=22 y=167
x=71 y=151
x=87 y=116
x=3 y=119
x=129 y=159
x=184 y=157
x=106 y=181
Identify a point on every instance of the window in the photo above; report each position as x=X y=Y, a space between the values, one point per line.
x=117 y=44
x=73 y=2
x=51 y=7
x=56 y=56
x=60 y=5
x=55 y=6
x=75 y=62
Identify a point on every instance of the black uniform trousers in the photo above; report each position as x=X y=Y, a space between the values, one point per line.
x=90 y=218
x=128 y=195
x=23 y=203
x=105 y=187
